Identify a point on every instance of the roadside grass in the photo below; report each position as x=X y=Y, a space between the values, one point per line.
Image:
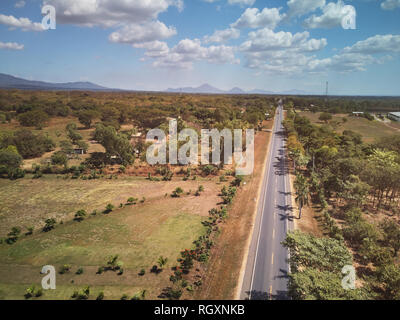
x=370 y=130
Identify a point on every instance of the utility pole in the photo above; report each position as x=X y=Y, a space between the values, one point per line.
x=326 y=94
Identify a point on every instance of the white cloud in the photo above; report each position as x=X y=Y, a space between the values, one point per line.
x=254 y=18
x=154 y=49
x=333 y=14
x=377 y=44
x=266 y=40
x=299 y=8
x=242 y=2
x=390 y=4
x=139 y=33
x=20 y=4
x=188 y=51
x=110 y=13
x=11 y=45
x=20 y=23
x=343 y=63
x=223 y=35
x=280 y=52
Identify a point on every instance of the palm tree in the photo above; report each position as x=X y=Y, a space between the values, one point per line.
x=162 y=261
x=302 y=192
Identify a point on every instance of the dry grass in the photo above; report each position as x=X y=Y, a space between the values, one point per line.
x=370 y=130
x=139 y=234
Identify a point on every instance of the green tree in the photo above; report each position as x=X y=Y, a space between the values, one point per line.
x=59 y=158
x=391 y=234
x=10 y=160
x=325 y=117
x=35 y=118
x=302 y=192
x=86 y=117
x=116 y=144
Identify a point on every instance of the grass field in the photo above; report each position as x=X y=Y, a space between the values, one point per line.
x=139 y=234
x=370 y=130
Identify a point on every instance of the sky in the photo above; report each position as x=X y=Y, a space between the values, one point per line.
x=274 y=45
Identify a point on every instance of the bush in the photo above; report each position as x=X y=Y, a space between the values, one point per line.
x=100 y=296
x=109 y=208
x=79 y=271
x=64 y=269
x=142 y=272
x=177 y=192
x=13 y=235
x=80 y=215
x=30 y=231
x=49 y=225
x=125 y=297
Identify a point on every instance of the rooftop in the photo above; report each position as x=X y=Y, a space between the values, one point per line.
x=396 y=114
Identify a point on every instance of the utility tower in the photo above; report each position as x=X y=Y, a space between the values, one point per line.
x=326 y=94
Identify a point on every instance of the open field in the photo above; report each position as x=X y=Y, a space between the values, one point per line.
x=370 y=130
x=139 y=234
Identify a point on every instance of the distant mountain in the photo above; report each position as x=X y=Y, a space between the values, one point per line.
x=11 y=82
x=206 y=88
x=236 y=90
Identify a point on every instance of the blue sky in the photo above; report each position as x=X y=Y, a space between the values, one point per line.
x=274 y=45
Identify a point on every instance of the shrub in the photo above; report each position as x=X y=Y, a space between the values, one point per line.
x=177 y=192
x=142 y=272
x=30 y=231
x=100 y=296
x=82 y=294
x=238 y=181
x=64 y=269
x=109 y=208
x=13 y=235
x=132 y=201
x=125 y=297
x=141 y=295
x=49 y=225
x=79 y=271
x=80 y=215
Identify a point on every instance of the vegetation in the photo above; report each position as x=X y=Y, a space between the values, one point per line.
x=355 y=187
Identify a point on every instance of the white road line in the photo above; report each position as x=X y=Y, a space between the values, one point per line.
x=262 y=213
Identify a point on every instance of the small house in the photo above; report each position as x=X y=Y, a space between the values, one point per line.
x=395 y=116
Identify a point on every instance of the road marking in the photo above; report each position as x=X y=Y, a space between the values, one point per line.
x=273 y=234
x=272 y=262
x=270 y=292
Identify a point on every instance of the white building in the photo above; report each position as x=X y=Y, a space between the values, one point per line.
x=394 y=116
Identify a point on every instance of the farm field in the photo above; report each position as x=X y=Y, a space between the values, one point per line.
x=139 y=234
x=370 y=130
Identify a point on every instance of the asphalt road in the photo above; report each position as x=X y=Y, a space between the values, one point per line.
x=267 y=267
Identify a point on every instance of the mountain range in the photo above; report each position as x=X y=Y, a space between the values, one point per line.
x=206 y=88
x=11 y=82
